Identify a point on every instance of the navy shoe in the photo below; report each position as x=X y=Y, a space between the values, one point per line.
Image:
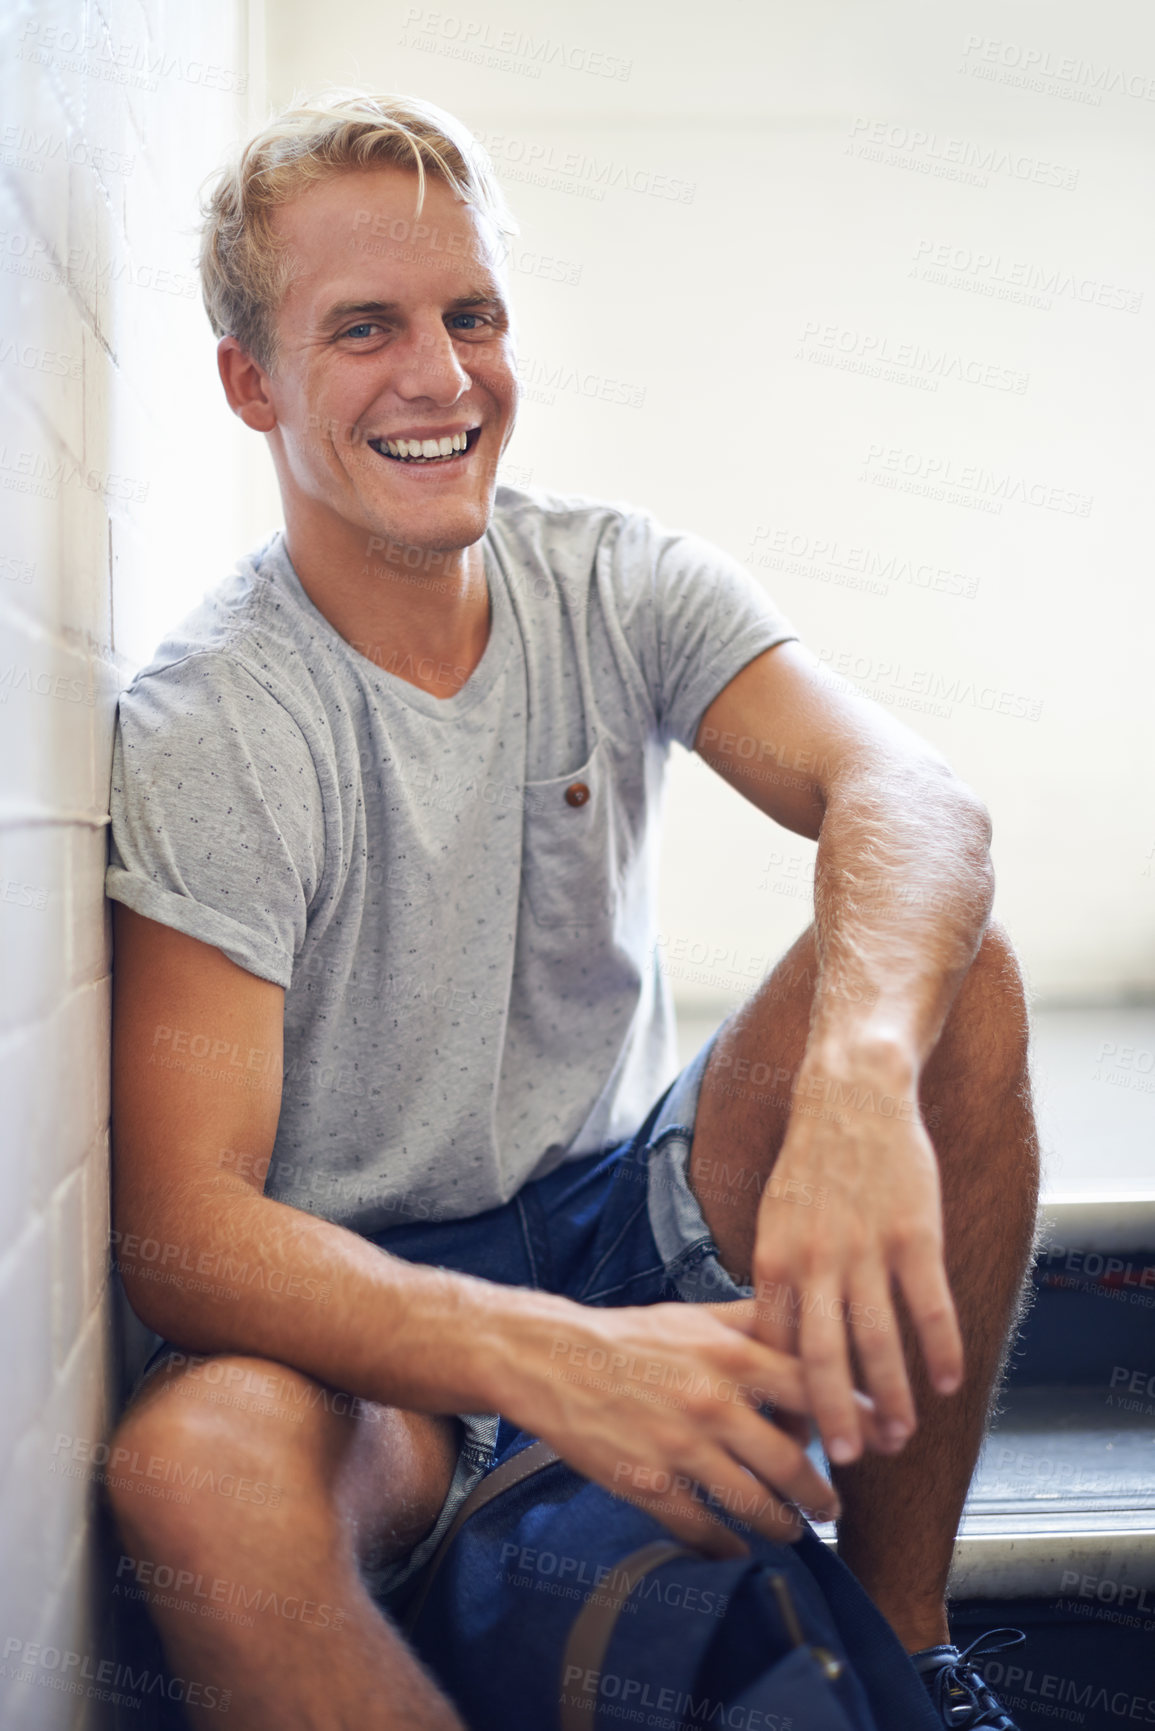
x=957 y=1687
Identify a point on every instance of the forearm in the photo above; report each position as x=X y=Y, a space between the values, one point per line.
x=903 y=888
x=223 y=1269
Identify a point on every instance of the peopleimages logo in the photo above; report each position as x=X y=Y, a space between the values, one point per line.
x=1026 y=65
x=874 y=354
x=533 y=1566
x=124 y=62
x=574 y=171
x=1107 y=1591
x=507 y=50
x=946 y=158
x=106 y=1679
x=25 y=147
x=937 y=477
x=893 y=683
x=857 y=567
x=592 y=1691
x=1020 y=280
x=1022 y=1685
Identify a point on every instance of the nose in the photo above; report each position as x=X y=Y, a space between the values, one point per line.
x=428 y=365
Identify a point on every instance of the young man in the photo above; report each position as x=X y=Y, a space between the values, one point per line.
x=388 y=1010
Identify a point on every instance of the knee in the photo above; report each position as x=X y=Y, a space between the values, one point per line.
x=989 y=1023
x=182 y=1471
x=997 y=975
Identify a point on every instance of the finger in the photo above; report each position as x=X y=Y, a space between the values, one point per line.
x=776 y=1307
x=782 y=1464
x=777 y=1380
x=791 y=1406
x=745 y=1497
x=826 y=1363
x=882 y=1359
x=922 y=1278
x=778 y=1374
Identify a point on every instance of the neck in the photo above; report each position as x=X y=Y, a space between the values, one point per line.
x=423 y=615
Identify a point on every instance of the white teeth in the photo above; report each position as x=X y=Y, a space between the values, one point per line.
x=427 y=449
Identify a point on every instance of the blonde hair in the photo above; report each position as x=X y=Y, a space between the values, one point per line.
x=246 y=267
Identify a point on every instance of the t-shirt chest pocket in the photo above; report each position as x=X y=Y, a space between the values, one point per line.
x=573 y=846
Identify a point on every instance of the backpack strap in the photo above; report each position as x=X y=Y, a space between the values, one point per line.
x=593 y=1627
x=522 y=1465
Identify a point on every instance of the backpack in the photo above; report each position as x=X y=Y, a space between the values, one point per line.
x=553 y=1605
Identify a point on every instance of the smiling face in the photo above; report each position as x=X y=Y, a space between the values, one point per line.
x=395 y=386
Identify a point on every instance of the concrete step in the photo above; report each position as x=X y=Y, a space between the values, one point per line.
x=1086 y=1220
x=1064 y=1494
x=1063 y=1500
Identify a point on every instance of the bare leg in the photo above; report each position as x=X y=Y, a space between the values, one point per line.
x=901 y=1513
x=254 y=1583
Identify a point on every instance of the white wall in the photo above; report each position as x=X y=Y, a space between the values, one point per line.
x=721 y=319
x=111 y=479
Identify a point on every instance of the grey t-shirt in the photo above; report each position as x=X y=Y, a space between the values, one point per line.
x=472 y=992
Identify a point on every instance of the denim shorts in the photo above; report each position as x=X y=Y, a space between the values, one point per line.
x=617 y=1227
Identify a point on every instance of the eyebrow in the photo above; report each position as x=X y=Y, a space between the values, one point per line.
x=460 y=303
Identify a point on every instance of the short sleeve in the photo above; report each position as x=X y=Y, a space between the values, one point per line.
x=217 y=818
x=694 y=618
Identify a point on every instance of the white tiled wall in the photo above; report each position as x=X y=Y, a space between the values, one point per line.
x=110 y=116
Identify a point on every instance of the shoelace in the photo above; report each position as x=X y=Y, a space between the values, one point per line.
x=961 y=1678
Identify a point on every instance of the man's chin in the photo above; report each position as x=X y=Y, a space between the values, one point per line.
x=442 y=528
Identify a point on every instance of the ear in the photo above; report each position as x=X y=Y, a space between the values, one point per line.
x=246 y=386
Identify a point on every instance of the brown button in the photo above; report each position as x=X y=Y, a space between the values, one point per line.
x=577 y=793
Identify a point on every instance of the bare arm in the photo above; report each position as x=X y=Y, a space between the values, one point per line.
x=196 y=1066
x=206 y=1258
x=903 y=888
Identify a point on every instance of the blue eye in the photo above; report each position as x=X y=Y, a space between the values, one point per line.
x=476 y=317
x=359 y=330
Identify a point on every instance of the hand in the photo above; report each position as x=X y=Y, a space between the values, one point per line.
x=653 y=1400
x=851 y=1206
